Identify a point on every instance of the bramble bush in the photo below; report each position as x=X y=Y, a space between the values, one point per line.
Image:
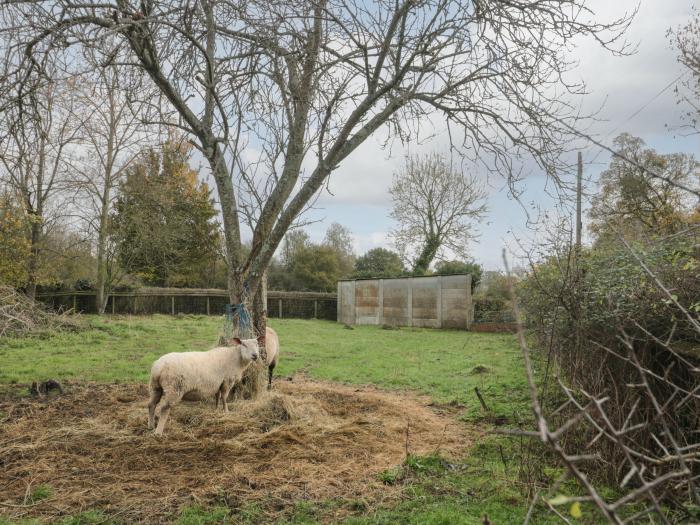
x=595 y=317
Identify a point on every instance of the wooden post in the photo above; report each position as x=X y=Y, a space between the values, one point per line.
x=354 y=303
x=410 y=301
x=315 y=308
x=280 y=307
x=470 y=304
x=172 y=304
x=380 y=301
x=579 y=224
x=439 y=301
x=112 y=298
x=208 y=309
x=339 y=302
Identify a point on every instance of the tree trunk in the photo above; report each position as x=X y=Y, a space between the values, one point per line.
x=255 y=376
x=427 y=254
x=33 y=263
x=232 y=233
x=100 y=296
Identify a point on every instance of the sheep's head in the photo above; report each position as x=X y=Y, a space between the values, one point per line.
x=249 y=348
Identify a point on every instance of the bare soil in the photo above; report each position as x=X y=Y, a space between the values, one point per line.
x=303 y=441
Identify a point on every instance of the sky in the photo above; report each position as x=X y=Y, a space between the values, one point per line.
x=634 y=93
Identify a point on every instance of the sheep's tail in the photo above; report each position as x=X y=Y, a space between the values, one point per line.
x=154 y=381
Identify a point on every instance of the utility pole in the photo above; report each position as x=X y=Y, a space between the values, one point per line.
x=579 y=225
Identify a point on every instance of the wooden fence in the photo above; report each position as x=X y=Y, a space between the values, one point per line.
x=439 y=301
x=173 y=301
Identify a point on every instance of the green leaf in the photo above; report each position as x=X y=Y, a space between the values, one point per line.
x=575 y=510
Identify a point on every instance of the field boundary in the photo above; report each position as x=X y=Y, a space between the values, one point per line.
x=202 y=301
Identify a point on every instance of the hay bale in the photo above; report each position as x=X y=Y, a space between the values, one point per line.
x=253 y=384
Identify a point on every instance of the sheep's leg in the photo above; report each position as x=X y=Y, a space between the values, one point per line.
x=219 y=395
x=156 y=394
x=226 y=390
x=168 y=403
x=269 y=375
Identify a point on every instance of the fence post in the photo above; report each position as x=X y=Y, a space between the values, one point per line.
x=380 y=301
x=339 y=302
x=315 y=308
x=75 y=303
x=112 y=298
x=470 y=304
x=172 y=304
x=208 y=312
x=280 y=307
x=439 y=301
x=410 y=301
x=354 y=302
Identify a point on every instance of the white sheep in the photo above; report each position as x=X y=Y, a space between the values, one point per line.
x=272 y=348
x=197 y=375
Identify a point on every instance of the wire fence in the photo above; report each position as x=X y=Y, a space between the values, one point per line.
x=492 y=316
x=174 y=301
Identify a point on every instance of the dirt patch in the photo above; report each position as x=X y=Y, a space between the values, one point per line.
x=304 y=441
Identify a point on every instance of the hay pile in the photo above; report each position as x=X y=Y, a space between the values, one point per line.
x=20 y=316
x=304 y=441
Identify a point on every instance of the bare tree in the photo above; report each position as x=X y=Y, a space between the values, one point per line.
x=307 y=82
x=687 y=40
x=434 y=206
x=38 y=135
x=111 y=116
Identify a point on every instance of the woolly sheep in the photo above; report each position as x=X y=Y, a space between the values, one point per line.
x=197 y=375
x=272 y=348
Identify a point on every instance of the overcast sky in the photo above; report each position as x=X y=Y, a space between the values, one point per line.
x=621 y=85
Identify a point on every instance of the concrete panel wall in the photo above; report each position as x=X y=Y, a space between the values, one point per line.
x=432 y=302
x=367 y=302
x=395 y=302
x=346 y=294
x=425 y=297
x=456 y=311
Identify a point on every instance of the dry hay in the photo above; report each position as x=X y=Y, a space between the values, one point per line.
x=303 y=441
x=21 y=316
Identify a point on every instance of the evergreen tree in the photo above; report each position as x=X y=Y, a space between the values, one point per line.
x=164 y=223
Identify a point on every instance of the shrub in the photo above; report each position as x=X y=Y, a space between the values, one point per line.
x=598 y=319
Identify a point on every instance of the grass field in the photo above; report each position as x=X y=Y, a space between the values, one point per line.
x=445 y=365
x=439 y=363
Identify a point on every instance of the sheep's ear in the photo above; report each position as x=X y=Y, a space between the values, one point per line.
x=237 y=341
x=261 y=339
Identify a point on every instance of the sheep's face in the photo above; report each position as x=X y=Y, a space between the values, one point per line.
x=249 y=349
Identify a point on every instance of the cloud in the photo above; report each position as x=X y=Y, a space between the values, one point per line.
x=619 y=86
x=627 y=90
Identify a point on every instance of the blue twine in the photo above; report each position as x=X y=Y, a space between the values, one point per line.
x=243 y=318
x=244 y=321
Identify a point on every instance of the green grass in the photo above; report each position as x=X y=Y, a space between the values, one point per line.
x=439 y=363
x=443 y=364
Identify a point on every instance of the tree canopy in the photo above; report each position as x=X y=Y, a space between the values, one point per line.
x=379 y=262
x=633 y=202
x=434 y=206
x=15 y=246
x=456 y=266
x=163 y=222
x=309 y=82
